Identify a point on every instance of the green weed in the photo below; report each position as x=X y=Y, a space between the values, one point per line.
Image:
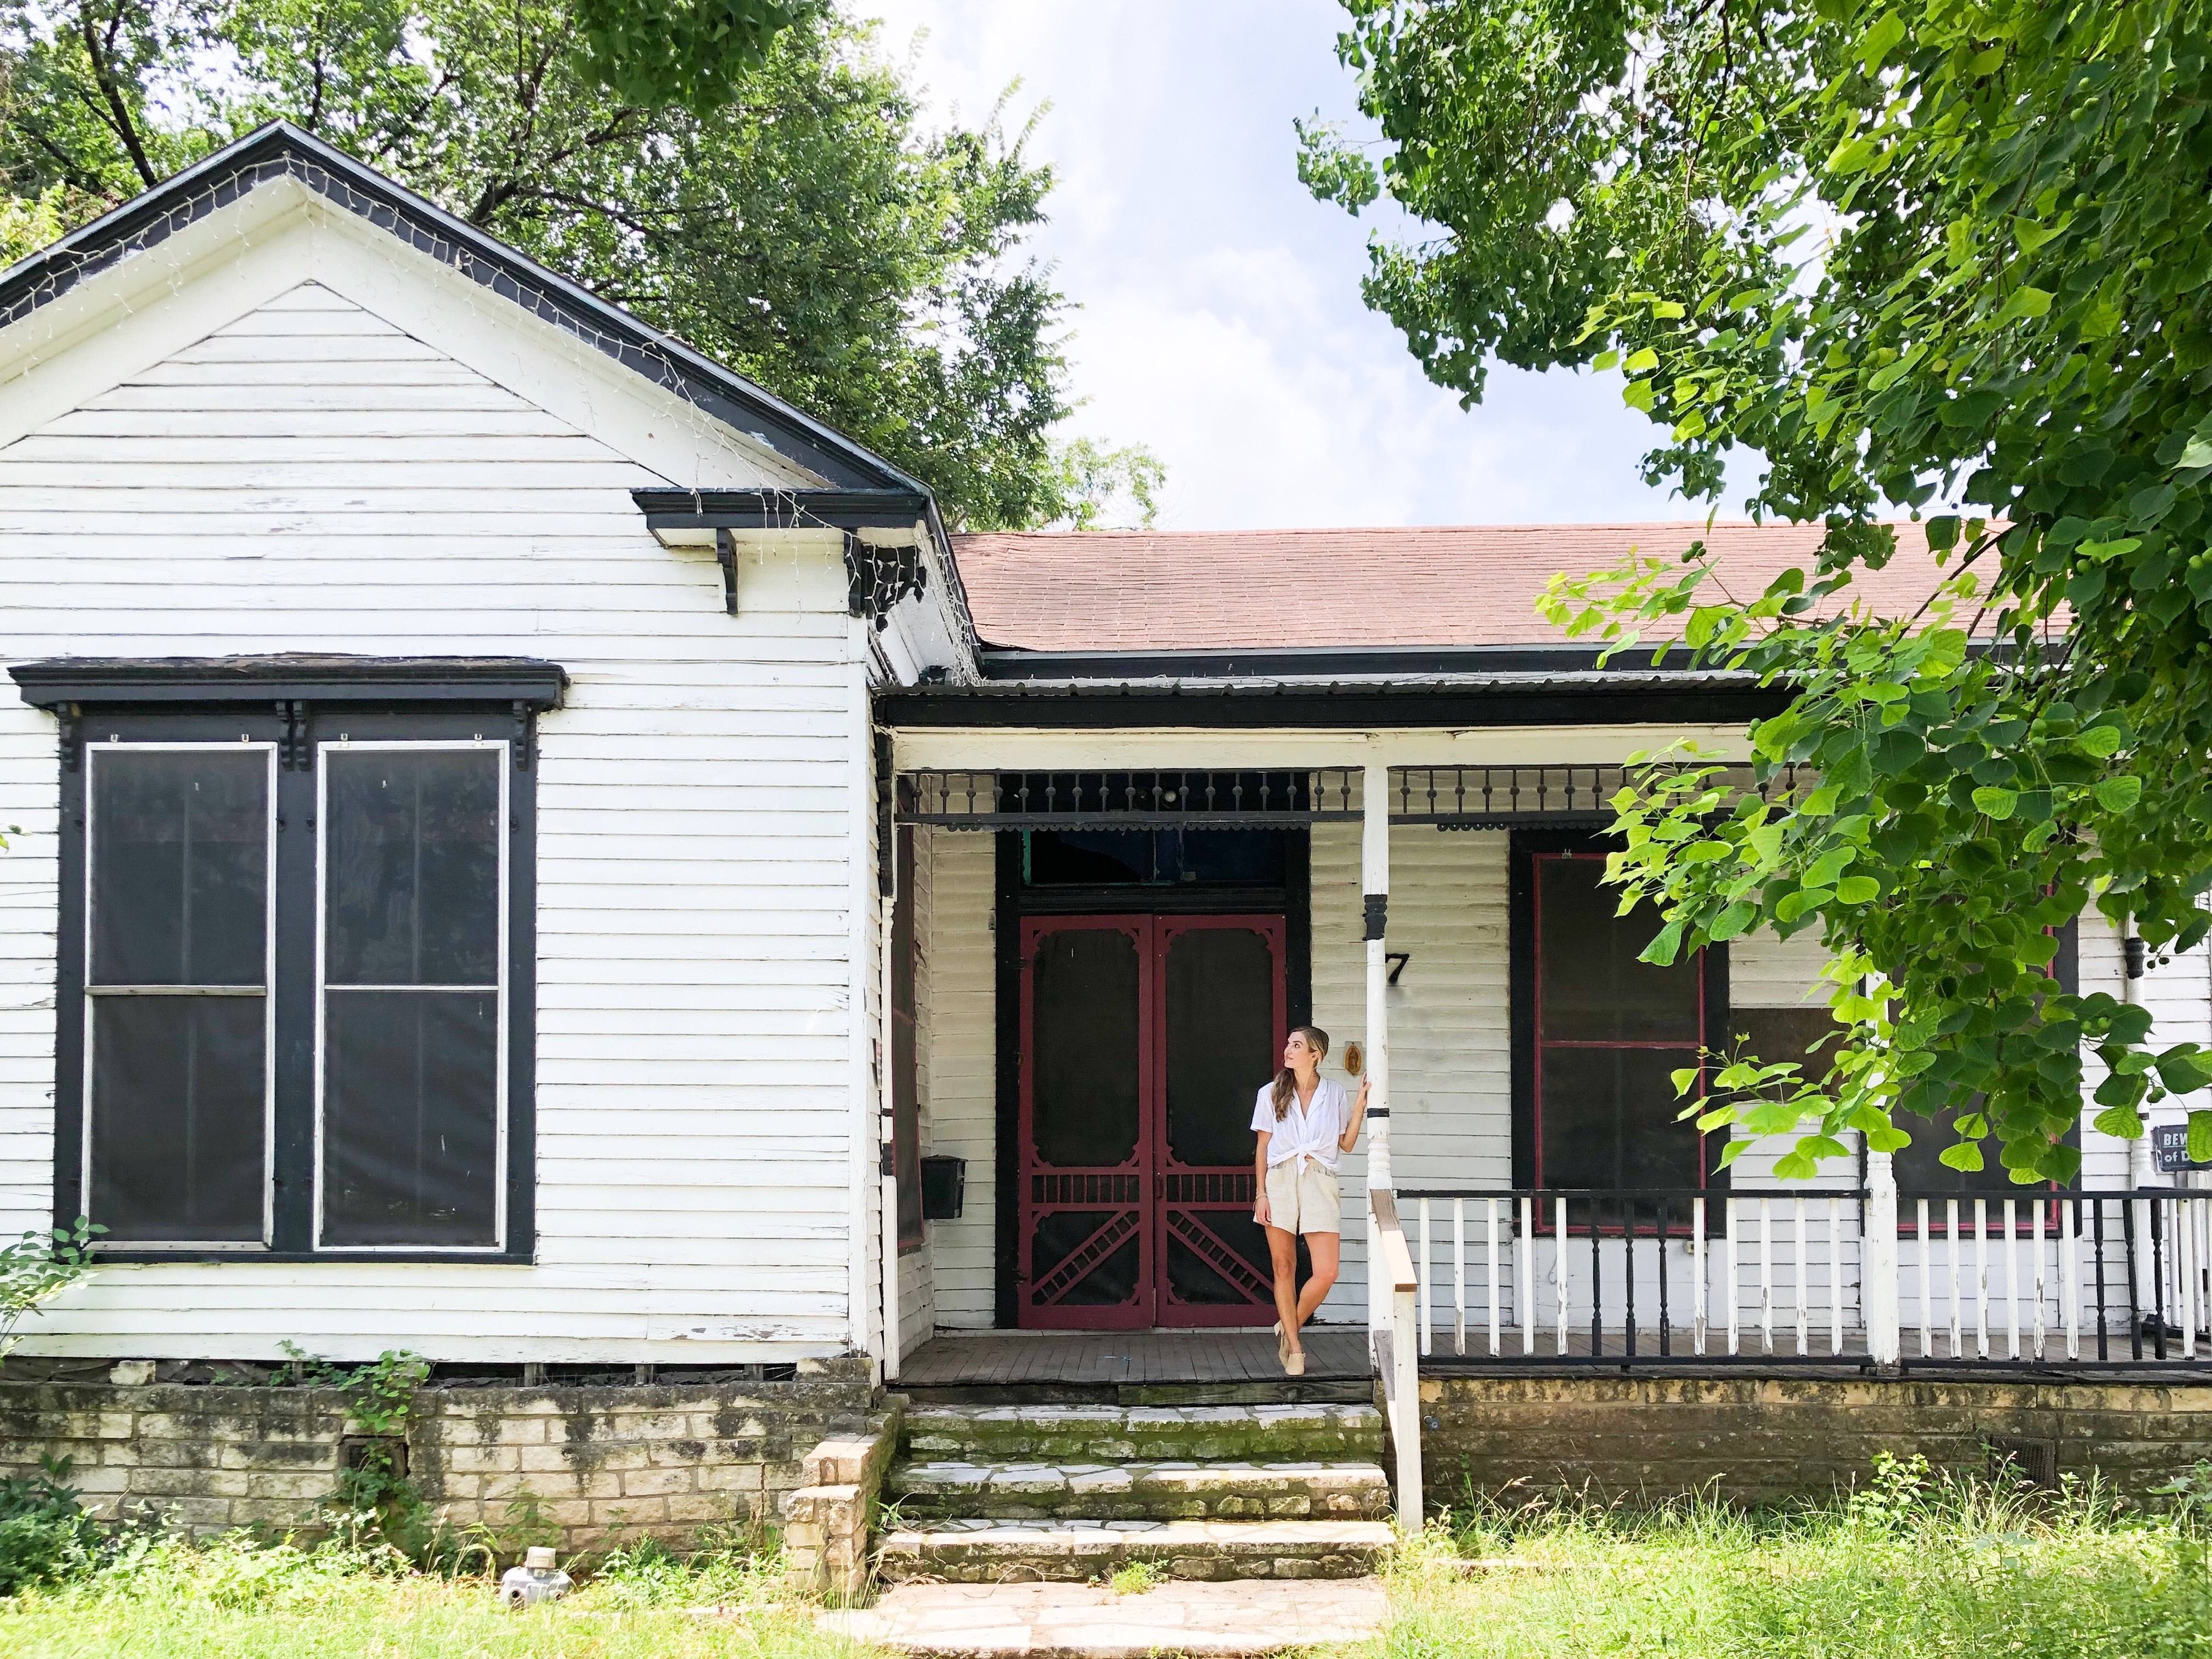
x=1135 y=1578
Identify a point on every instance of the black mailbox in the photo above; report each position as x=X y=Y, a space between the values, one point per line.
x=944 y=1187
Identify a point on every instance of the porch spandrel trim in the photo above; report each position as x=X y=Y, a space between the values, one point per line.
x=1446 y=797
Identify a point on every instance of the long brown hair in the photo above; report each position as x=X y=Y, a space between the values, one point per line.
x=1286 y=1079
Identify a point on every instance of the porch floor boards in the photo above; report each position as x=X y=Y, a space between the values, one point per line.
x=1111 y=1358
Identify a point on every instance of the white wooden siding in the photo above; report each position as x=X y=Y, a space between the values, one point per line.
x=2179 y=993
x=963 y=1068
x=311 y=475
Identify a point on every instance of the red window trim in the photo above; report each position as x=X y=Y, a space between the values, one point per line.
x=1539 y=1044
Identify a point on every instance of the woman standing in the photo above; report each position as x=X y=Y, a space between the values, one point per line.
x=1304 y=1123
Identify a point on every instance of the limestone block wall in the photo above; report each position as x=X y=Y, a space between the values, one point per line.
x=1765 y=1440
x=589 y=1465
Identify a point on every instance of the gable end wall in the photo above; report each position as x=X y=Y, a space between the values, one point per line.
x=312 y=476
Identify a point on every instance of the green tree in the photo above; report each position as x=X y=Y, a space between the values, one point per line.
x=1944 y=254
x=1109 y=488
x=813 y=232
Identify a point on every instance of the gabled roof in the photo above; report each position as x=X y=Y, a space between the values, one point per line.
x=1433 y=599
x=281 y=150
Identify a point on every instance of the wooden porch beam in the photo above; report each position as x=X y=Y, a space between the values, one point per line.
x=1017 y=750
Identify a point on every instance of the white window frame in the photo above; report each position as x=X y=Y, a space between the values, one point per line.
x=342 y=745
x=93 y=993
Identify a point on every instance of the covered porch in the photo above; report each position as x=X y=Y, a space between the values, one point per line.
x=1526 y=1197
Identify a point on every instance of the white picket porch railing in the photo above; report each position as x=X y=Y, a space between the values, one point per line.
x=1779 y=1275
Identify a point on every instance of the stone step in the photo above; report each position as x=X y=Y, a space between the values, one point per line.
x=1282 y=1391
x=984 y=1552
x=1119 y=1434
x=1143 y=1490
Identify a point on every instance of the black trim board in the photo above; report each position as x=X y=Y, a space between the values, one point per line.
x=312 y=678
x=1326 y=708
x=281 y=150
x=1006 y=1301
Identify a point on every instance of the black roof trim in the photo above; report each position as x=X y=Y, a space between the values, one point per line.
x=56 y=681
x=667 y=508
x=1282 y=662
x=282 y=150
x=1336 y=706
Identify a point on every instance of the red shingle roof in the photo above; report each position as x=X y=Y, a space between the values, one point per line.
x=1472 y=585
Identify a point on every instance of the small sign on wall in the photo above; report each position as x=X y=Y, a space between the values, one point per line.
x=2169 y=1146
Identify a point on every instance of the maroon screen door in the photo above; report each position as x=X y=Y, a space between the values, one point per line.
x=1144 y=1040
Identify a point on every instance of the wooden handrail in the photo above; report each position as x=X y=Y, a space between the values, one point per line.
x=1397 y=1259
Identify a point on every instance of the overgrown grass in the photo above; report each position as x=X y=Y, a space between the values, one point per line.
x=1911 y=1567
x=239 y=1598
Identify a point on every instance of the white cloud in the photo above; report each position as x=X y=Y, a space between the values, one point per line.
x=1221 y=321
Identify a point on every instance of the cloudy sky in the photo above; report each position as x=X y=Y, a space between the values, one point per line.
x=1219 y=319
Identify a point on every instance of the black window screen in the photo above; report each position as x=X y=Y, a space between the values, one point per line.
x=1085 y=1023
x=413 y=942
x=1610 y=1032
x=178 y=992
x=1220 y=1038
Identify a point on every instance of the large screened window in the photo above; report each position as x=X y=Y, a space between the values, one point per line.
x=178 y=1008
x=1600 y=1033
x=296 y=968
x=414 y=954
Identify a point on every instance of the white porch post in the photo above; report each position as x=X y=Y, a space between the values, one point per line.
x=1878 y=1298
x=2142 y=1175
x=1375 y=883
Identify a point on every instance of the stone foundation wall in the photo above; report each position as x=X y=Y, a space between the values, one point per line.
x=1762 y=1440
x=576 y=1467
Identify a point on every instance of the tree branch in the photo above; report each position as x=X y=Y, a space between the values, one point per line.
x=98 y=54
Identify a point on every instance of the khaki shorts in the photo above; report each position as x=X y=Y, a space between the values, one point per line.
x=1302 y=1197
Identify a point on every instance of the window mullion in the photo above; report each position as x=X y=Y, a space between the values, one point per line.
x=294 y=1150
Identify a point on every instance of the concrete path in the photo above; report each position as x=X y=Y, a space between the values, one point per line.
x=1090 y=1621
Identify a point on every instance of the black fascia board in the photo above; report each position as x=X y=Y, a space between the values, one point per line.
x=1278 y=662
x=770 y=508
x=1331 y=707
x=57 y=681
x=279 y=149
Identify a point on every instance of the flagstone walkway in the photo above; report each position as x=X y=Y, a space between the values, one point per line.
x=1090 y=1621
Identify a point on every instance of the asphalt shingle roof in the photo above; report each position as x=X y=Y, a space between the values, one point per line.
x=1157 y=591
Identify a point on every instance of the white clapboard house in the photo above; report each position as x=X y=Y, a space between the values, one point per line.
x=529 y=849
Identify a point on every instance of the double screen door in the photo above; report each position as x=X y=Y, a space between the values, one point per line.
x=1144 y=1040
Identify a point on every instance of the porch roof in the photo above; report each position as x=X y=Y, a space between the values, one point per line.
x=1134 y=595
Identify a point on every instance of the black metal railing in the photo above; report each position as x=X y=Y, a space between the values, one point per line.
x=1498 y=797
x=1130 y=799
